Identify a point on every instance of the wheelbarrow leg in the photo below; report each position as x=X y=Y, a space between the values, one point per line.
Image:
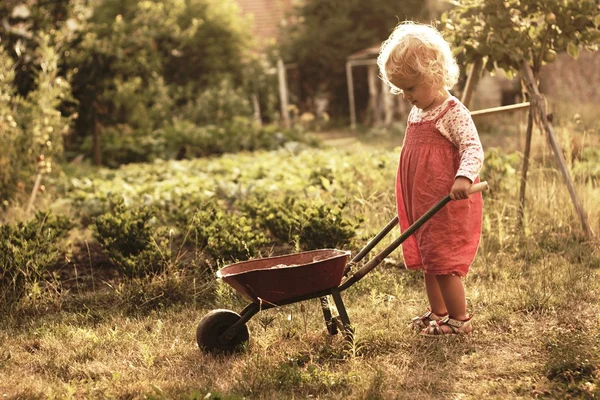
x=248 y=312
x=337 y=298
x=329 y=322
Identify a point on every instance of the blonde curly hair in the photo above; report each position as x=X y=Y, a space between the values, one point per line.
x=418 y=51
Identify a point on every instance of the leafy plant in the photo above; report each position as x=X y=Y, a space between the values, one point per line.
x=507 y=33
x=185 y=139
x=323 y=33
x=500 y=171
x=131 y=240
x=226 y=236
x=27 y=250
x=309 y=225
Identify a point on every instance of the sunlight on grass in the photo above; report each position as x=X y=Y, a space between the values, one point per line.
x=534 y=293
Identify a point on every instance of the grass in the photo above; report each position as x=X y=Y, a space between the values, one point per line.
x=535 y=295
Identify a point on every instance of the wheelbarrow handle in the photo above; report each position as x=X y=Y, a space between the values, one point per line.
x=476 y=188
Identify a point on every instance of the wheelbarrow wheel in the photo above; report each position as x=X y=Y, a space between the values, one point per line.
x=213 y=325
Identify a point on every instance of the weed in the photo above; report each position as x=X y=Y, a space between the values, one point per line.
x=130 y=240
x=574 y=364
x=27 y=251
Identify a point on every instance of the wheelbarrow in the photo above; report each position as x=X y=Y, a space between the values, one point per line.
x=282 y=280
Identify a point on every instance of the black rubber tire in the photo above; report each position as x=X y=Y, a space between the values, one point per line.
x=213 y=324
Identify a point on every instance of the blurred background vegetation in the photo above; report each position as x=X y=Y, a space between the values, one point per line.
x=117 y=82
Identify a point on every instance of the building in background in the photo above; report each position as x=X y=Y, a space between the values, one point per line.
x=267 y=17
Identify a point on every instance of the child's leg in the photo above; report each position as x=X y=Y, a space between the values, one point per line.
x=434 y=294
x=453 y=293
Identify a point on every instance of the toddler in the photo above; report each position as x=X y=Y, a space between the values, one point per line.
x=441 y=154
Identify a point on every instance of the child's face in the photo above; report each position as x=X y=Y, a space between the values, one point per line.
x=419 y=93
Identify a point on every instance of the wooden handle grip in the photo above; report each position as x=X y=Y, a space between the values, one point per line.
x=478 y=187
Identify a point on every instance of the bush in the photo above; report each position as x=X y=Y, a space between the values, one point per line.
x=226 y=236
x=587 y=167
x=184 y=139
x=218 y=104
x=28 y=250
x=131 y=241
x=31 y=125
x=500 y=171
x=308 y=225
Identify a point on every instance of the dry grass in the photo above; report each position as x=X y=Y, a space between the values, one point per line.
x=535 y=295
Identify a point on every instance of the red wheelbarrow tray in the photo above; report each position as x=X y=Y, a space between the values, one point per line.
x=277 y=279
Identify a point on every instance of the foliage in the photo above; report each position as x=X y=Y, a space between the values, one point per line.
x=32 y=124
x=184 y=139
x=323 y=33
x=138 y=62
x=27 y=251
x=130 y=239
x=500 y=171
x=226 y=236
x=10 y=132
x=587 y=167
x=124 y=72
x=506 y=33
x=309 y=225
x=220 y=103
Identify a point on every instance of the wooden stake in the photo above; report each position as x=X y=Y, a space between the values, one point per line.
x=472 y=80
x=350 y=81
x=511 y=107
x=36 y=188
x=525 y=167
x=538 y=104
x=374 y=115
x=283 y=93
x=387 y=100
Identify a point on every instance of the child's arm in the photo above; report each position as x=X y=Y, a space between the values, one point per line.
x=458 y=126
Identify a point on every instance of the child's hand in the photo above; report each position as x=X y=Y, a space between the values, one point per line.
x=460 y=188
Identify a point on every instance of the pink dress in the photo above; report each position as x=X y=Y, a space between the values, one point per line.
x=429 y=164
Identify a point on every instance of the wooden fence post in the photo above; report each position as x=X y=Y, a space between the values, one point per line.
x=525 y=167
x=350 y=81
x=539 y=105
x=283 y=93
x=472 y=80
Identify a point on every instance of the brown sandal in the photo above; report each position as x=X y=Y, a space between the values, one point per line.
x=422 y=322
x=457 y=327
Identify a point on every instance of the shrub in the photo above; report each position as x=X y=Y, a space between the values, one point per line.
x=28 y=250
x=131 y=241
x=587 y=168
x=226 y=236
x=218 y=104
x=309 y=225
x=185 y=139
x=500 y=171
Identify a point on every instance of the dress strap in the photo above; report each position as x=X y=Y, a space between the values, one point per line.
x=451 y=103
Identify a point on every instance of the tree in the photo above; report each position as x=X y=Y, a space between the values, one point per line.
x=520 y=36
x=33 y=92
x=323 y=33
x=507 y=32
x=137 y=62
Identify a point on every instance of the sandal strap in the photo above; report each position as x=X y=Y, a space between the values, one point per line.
x=457 y=326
